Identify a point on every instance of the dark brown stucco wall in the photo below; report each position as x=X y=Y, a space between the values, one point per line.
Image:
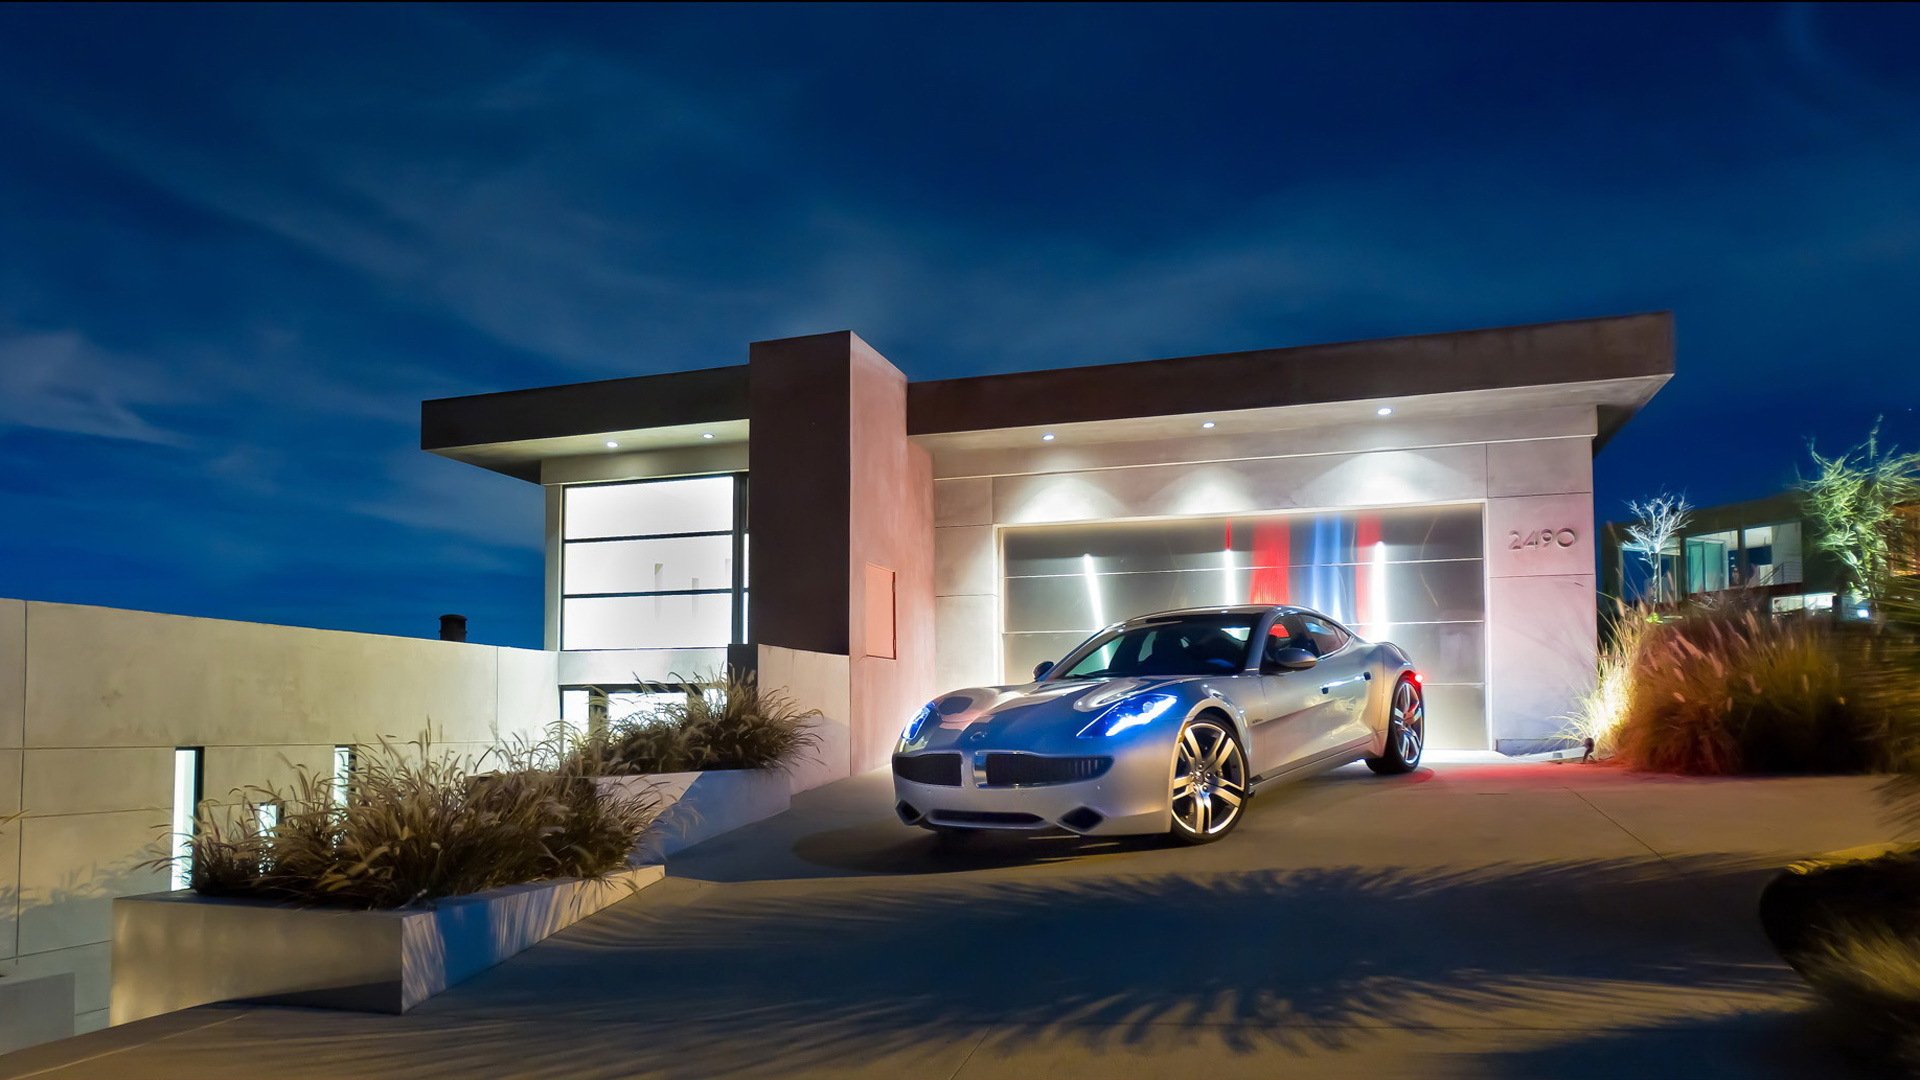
x=798 y=492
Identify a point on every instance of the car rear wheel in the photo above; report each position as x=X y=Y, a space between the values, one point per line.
x=1209 y=789
x=1406 y=730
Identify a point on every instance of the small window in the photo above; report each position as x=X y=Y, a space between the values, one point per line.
x=188 y=769
x=1297 y=630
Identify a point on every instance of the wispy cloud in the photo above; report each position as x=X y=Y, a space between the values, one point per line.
x=61 y=382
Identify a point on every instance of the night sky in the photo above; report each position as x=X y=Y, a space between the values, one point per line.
x=239 y=245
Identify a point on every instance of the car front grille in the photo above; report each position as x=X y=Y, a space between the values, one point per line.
x=1032 y=770
x=940 y=769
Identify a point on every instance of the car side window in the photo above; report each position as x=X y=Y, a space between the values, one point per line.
x=1327 y=638
x=1288 y=632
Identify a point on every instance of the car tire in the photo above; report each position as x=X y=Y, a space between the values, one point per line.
x=1406 y=730
x=1206 y=810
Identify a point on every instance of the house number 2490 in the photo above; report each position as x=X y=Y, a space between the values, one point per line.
x=1541 y=538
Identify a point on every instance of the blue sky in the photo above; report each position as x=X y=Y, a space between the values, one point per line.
x=238 y=245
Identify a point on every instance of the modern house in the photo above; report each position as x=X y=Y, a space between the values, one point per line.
x=1768 y=547
x=873 y=540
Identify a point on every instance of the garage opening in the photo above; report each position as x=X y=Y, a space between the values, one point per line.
x=1415 y=576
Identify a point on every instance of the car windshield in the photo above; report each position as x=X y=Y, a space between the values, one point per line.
x=1187 y=645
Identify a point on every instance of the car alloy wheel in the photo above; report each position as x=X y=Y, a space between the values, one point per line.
x=1406 y=730
x=1209 y=782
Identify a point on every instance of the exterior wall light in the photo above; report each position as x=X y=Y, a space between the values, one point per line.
x=1383 y=411
x=1048 y=437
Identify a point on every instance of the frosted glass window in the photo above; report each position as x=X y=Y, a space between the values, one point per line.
x=650 y=508
x=677 y=621
x=670 y=551
x=342 y=773
x=629 y=566
x=186 y=799
x=1412 y=575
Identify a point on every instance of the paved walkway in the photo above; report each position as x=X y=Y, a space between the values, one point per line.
x=1491 y=921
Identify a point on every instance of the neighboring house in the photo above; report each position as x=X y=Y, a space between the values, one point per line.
x=898 y=539
x=1770 y=547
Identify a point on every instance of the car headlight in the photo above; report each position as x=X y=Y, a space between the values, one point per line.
x=912 y=730
x=1130 y=713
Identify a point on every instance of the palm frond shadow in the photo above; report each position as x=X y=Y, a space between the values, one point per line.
x=1268 y=961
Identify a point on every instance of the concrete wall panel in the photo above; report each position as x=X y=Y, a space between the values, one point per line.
x=963 y=502
x=9 y=889
x=814 y=681
x=90 y=967
x=1438 y=474
x=13 y=673
x=1541 y=644
x=93 y=781
x=1540 y=535
x=1540 y=467
x=968 y=630
x=965 y=561
x=71 y=868
x=101 y=677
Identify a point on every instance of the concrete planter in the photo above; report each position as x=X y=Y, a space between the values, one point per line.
x=177 y=950
x=35 y=1009
x=698 y=806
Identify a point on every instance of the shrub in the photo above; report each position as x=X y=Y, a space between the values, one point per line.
x=1724 y=689
x=415 y=827
x=724 y=721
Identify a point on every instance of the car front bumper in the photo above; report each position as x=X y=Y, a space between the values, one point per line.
x=1130 y=796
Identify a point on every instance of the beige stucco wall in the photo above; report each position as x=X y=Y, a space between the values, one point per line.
x=1530 y=470
x=93 y=702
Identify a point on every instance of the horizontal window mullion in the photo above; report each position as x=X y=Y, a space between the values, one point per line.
x=648 y=536
x=650 y=592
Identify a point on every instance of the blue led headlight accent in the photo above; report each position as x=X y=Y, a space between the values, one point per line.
x=1131 y=713
x=919 y=721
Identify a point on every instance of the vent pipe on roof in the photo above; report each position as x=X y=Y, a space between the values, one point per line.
x=453 y=628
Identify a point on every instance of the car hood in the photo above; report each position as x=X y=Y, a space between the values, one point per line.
x=1004 y=714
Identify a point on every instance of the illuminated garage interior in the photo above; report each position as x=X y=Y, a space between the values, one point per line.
x=908 y=538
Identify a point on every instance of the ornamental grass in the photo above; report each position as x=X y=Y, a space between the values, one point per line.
x=414 y=825
x=723 y=721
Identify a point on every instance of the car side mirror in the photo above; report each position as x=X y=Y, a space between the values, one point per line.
x=1040 y=669
x=1292 y=659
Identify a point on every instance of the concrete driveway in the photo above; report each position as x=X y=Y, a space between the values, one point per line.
x=1488 y=921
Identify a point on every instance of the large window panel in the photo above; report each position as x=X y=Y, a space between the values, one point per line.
x=653 y=564
x=675 y=621
x=650 y=508
x=671 y=564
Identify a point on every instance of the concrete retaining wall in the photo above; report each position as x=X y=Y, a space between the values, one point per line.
x=93 y=702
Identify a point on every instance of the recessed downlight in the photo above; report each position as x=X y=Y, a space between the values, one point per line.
x=1383 y=411
x=1208 y=425
x=1048 y=437
x=706 y=434
x=611 y=445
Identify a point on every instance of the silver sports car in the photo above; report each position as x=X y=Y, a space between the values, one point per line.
x=1164 y=723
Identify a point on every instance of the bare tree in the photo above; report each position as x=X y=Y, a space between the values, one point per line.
x=1656 y=522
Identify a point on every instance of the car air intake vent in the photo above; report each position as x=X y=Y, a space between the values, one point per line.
x=987 y=818
x=941 y=769
x=1029 y=770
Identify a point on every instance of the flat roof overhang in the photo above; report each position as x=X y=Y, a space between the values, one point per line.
x=1613 y=364
x=514 y=431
